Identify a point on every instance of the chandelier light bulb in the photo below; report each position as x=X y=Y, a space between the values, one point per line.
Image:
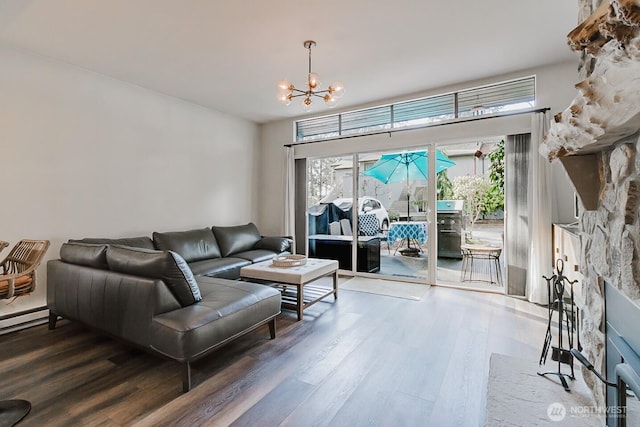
x=306 y=104
x=336 y=89
x=284 y=98
x=330 y=101
x=314 y=80
x=284 y=85
x=287 y=91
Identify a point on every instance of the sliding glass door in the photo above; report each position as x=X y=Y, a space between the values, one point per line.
x=470 y=216
x=427 y=214
x=394 y=214
x=329 y=210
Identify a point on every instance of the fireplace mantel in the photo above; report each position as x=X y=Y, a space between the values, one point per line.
x=607 y=106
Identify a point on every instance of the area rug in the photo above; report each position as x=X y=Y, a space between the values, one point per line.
x=390 y=288
x=518 y=396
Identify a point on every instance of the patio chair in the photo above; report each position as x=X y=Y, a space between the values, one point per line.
x=368 y=225
x=18 y=269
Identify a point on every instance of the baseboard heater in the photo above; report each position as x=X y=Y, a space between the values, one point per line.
x=23 y=319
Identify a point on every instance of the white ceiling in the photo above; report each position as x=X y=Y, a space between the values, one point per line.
x=228 y=55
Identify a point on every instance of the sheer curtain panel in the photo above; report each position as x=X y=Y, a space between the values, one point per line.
x=289 y=216
x=540 y=261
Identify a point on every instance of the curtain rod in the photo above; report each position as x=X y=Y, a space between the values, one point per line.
x=452 y=122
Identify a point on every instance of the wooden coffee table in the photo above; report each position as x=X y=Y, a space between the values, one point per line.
x=300 y=278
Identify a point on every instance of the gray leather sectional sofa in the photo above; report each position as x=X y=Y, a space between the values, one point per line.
x=170 y=294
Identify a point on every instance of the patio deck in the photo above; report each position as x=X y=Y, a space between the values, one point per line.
x=448 y=269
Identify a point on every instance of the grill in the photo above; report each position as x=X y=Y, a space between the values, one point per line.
x=449 y=221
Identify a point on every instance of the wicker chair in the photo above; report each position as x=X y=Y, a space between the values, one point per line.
x=18 y=270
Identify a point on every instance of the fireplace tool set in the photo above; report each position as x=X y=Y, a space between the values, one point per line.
x=561 y=300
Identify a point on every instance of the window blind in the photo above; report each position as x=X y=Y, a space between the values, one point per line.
x=489 y=99
x=371 y=119
x=318 y=127
x=497 y=95
x=435 y=106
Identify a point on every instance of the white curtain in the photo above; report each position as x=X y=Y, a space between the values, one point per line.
x=289 y=216
x=539 y=206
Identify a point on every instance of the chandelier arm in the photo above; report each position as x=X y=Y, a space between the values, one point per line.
x=298 y=95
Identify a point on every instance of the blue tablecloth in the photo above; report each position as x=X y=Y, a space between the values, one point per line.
x=415 y=230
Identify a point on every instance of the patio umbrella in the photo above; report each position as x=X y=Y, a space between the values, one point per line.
x=405 y=166
x=397 y=167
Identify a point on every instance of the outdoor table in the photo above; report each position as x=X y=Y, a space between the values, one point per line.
x=409 y=231
x=476 y=258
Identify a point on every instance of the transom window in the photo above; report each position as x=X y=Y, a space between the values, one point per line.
x=496 y=98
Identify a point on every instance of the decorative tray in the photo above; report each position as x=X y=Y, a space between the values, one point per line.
x=289 y=260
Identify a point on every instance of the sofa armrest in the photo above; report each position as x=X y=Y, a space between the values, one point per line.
x=274 y=243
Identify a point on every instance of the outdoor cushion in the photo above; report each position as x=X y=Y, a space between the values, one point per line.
x=19 y=281
x=368 y=225
x=85 y=254
x=334 y=228
x=345 y=225
x=192 y=245
x=135 y=242
x=167 y=266
x=235 y=239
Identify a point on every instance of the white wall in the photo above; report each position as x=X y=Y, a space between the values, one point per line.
x=555 y=89
x=87 y=155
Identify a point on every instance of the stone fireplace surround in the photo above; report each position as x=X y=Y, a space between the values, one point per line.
x=597 y=139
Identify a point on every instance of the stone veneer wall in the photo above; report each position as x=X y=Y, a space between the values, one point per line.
x=610 y=239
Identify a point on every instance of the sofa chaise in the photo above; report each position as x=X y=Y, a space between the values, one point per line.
x=170 y=294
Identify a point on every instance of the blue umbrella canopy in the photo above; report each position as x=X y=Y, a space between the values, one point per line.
x=406 y=166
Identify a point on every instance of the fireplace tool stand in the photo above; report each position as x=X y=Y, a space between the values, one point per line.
x=567 y=321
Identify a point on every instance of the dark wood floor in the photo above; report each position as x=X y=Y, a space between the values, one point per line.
x=363 y=360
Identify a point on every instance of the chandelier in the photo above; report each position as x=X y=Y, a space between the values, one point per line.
x=287 y=91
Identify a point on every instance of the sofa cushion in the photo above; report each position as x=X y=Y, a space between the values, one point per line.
x=256 y=255
x=238 y=238
x=275 y=244
x=228 y=308
x=135 y=242
x=85 y=254
x=228 y=268
x=192 y=245
x=167 y=266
